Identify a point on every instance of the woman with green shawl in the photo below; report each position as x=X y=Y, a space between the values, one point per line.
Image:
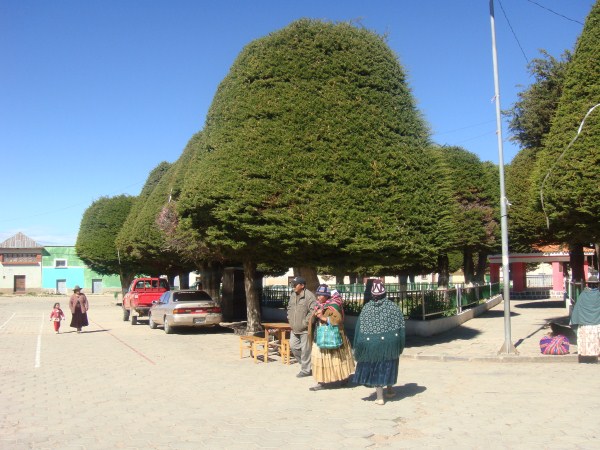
x=378 y=342
x=586 y=316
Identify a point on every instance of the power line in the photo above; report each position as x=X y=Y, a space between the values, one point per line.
x=513 y=31
x=464 y=128
x=64 y=208
x=554 y=12
x=558 y=159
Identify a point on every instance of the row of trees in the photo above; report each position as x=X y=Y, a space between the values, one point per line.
x=313 y=156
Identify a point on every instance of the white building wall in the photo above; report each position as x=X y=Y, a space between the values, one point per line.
x=33 y=277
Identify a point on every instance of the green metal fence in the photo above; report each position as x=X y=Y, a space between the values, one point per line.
x=574 y=288
x=419 y=301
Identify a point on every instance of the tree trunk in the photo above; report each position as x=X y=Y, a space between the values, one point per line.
x=468 y=265
x=576 y=259
x=310 y=275
x=252 y=300
x=403 y=280
x=212 y=273
x=353 y=278
x=126 y=279
x=184 y=280
x=479 y=276
x=171 y=278
x=443 y=271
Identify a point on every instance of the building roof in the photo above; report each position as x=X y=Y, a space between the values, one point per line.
x=20 y=241
x=551 y=254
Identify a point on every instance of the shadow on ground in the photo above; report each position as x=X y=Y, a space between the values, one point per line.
x=401 y=392
x=494 y=313
x=196 y=330
x=458 y=333
x=541 y=304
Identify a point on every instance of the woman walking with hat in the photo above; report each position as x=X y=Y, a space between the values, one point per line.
x=78 y=304
x=378 y=342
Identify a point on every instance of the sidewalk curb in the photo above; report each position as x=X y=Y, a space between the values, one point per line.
x=496 y=359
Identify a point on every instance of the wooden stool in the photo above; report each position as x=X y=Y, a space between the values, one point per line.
x=284 y=349
x=257 y=345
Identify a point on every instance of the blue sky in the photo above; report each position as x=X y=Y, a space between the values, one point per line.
x=95 y=94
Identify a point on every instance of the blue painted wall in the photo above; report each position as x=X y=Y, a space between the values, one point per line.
x=75 y=272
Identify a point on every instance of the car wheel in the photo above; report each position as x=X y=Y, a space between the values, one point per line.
x=125 y=315
x=134 y=320
x=167 y=327
x=151 y=322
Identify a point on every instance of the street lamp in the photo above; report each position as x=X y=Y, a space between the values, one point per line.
x=508 y=346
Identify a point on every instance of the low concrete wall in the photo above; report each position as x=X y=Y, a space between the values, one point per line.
x=436 y=326
x=413 y=327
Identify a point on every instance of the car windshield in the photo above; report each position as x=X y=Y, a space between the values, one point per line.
x=190 y=296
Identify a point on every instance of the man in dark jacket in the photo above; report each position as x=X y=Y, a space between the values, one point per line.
x=300 y=308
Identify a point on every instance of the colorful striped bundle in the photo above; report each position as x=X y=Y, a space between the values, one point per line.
x=554 y=345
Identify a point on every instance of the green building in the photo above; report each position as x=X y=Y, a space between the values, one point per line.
x=62 y=270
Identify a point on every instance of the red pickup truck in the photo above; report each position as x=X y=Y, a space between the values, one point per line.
x=138 y=299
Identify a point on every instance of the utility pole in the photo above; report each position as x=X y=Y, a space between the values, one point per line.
x=508 y=346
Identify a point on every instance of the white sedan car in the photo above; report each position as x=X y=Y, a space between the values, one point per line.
x=185 y=308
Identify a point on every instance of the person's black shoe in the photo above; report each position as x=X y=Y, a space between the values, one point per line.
x=318 y=387
x=304 y=374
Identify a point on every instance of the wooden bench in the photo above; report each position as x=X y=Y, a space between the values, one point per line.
x=258 y=345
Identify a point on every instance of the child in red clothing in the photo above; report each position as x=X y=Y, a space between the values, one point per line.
x=56 y=316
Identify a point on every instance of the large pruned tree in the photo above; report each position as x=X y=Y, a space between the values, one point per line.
x=95 y=245
x=526 y=223
x=531 y=115
x=159 y=211
x=140 y=238
x=568 y=176
x=316 y=155
x=475 y=218
x=530 y=120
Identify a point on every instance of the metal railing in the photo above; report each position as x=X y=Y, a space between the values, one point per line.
x=422 y=301
x=539 y=280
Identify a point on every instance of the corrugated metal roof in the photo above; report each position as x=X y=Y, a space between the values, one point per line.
x=19 y=240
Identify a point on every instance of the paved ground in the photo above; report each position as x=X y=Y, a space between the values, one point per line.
x=483 y=337
x=124 y=386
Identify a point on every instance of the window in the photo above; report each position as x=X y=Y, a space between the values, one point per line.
x=191 y=296
x=20 y=258
x=164 y=298
x=60 y=263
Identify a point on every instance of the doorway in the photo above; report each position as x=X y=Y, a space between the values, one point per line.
x=19 y=286
x=97 y=286
x=61 y=286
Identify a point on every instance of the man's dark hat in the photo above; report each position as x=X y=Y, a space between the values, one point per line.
x=298 y=280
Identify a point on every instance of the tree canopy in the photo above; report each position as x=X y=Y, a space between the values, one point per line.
x=531 y=115
x=475 y=202
x=568 y=175
x=100 y=224
x=526 y=223
x=139 y=237
x=315 y=152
